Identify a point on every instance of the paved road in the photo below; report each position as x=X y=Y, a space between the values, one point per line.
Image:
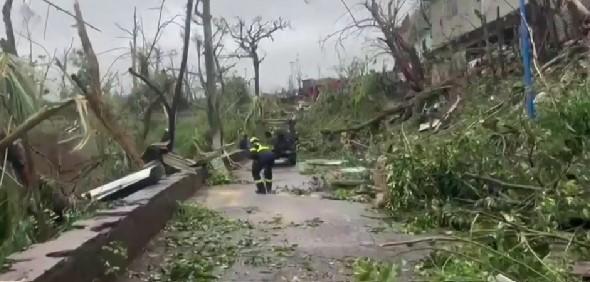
x=341 y=231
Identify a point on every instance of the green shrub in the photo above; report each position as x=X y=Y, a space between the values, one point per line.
x=502 y=176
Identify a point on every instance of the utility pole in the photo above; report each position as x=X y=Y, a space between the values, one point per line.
x=298 y=72
x=525 y=44
x=292 y=77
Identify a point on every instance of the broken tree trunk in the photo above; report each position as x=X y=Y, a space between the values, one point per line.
x=94 y=96
x=448 y=114
x=399 y=109
x=9 y=45
x=256 y=64
x=405 y=54
x=31 y=122
x=183 y=66
x=211 y=83
x=133 y=45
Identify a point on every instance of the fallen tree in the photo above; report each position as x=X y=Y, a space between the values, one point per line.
x=34 y=120
x=406 y=109
x=94 y=96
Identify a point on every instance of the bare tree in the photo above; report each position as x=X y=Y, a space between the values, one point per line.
x=387 y=19
x=213 y=70
x=28 y=15
x=170 y=108
x=133 y=45
x=249 y=36
x=141 y=59
x=154 y=102
x=221 y=66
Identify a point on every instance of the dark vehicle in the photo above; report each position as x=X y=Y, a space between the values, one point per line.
x=284 y=140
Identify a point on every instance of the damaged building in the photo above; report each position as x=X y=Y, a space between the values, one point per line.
x=456 y=35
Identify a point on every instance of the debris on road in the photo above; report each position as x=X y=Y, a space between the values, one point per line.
x=151 y=174
x=318 y=166
x=348 y=177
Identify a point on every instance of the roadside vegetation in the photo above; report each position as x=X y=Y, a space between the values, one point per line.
x=203 y=245
x=68 y=128
x=494 y=193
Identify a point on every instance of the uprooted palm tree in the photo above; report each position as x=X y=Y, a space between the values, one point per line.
x=22 y=107
x=22 y=110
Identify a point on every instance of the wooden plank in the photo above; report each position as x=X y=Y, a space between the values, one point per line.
x=178 y=162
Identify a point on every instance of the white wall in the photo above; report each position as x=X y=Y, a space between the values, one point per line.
x=453 y=18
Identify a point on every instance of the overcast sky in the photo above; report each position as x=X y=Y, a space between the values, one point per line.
x=310 y=23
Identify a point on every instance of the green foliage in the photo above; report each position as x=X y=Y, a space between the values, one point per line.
x=369 y=270
x=28 y=216
x=363 y=96
x=186 y=132
x=236 y=93
x=17 y=90
x=332 y=111
x=115 y=166
x=506 y=184
x=366 y=88
x=216 y=178
x=114 y=258
x=16 y=235
x=343 y=194
x=19 y=98
x=449 y=268
x=191 y=129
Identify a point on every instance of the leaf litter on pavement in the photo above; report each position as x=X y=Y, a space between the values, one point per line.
x=201 y=244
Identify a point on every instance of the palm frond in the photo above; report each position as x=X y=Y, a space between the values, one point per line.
x=84 y=132
x=17 y=88
x=82 y=108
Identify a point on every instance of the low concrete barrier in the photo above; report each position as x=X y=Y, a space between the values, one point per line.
x=80 y=255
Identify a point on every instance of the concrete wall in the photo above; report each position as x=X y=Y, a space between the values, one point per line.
x=443 y=71
x=453 y=18
x=78 y=255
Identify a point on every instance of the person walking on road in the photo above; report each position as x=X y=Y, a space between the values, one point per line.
x=262 y=159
